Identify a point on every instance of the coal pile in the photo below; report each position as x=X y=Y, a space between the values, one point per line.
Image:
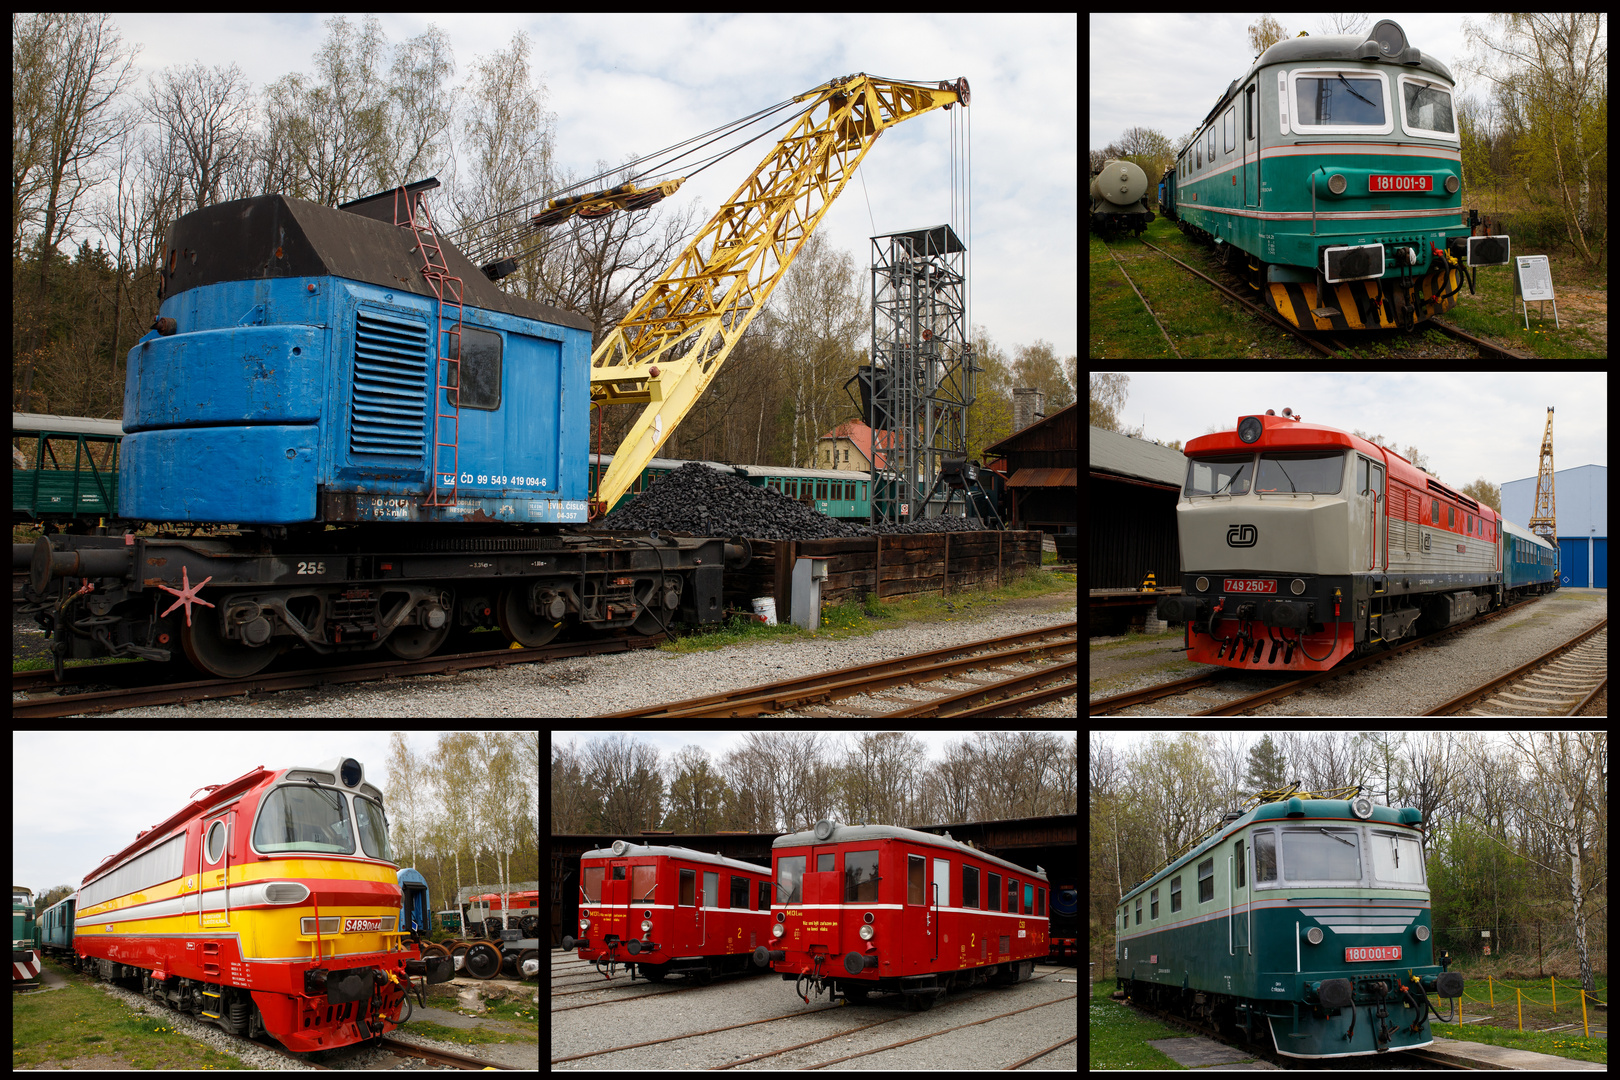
x=708 y=502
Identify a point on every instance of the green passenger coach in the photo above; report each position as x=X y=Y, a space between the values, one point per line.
x=1304 y=918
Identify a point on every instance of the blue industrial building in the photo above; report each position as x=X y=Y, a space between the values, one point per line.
x=1583 y=521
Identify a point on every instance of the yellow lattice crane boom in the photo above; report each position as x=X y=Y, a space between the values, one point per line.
x=669 y=346
x=1544 y=522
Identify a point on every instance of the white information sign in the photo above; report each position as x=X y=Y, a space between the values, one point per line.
x=1532 y=280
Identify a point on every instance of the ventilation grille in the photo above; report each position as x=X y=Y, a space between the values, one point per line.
x=387 y=414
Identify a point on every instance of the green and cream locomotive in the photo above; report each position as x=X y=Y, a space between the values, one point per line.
x=1303 y=922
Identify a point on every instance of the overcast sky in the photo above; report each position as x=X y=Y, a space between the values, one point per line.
x=84 y=795
x=1469 y=426
x=628 y=84
x=1133 y=85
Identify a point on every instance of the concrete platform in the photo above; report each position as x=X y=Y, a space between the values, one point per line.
x=1462 y=1052
x=1202 y=1052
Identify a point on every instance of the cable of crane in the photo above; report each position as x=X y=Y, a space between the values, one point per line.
x=520 y=220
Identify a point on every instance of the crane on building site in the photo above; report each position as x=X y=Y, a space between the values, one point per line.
x=667 y=349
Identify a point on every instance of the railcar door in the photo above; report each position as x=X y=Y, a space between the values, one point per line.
x=1238 y=899
x=1251 y=144
x=614 y=907
x=707 y=903
x=214 y=871
x=1371 y=510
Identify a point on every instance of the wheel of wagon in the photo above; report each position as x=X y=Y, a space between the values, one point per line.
x=418 y=642
x=211 y=651
x=483 y=961
x=521 y=625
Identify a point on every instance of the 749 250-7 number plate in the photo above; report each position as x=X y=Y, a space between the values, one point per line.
x=1250 y=585
x=1371 y=952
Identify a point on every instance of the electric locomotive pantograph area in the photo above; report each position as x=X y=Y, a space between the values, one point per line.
x=1330 y=173
x=1302 y=919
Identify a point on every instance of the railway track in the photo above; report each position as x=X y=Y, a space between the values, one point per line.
x=1331 y=348
x=984 y=663
x=1559 y=682
x=136 y=695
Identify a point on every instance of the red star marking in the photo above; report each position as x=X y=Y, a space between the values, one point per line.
x=187 y=593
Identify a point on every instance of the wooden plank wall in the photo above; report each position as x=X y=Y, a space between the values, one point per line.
x=890 y=566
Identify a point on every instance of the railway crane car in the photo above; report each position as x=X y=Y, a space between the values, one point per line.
x=664 y=910
x=1303 y=921
x=397 y=466
x=864 y=908
x=1330 y=173
x=267 y=904
x=1303 y=545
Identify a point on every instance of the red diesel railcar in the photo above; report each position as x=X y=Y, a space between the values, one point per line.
x=667 y=910
x=860 y=908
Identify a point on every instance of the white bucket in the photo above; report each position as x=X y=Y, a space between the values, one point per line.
x=765 y=608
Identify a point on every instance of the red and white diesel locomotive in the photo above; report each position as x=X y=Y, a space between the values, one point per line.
x=1302 y=544
x=860 y=908
x=268 y=904
x=669 y=910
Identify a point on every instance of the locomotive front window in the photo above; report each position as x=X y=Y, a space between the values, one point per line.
x=789 y=879
x=1265 y=856
x=916 y=880
x=373 y=825
x=1340 y=99
x=590 y=884
x=1428 y=107
x=860 y=875
x=1321 y=854
x=1397 y=858
x=1219 y=476
x=304 y=817
x=643 y=883
x=1320 y=474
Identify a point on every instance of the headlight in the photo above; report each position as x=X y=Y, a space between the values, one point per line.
x=777 y=930
x=585 y=921
x=1314 y=935
x=867 y=933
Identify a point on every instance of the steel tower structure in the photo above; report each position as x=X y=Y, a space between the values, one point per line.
x=917 y=390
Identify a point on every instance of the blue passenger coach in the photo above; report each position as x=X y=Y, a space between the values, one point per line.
x=1529 y=563
x=292 y=379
